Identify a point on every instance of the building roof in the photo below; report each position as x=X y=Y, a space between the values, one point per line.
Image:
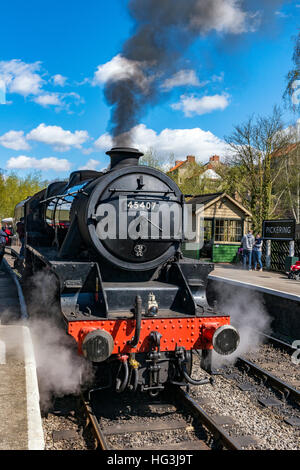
x=177 y=166
x=204 y=198
x=285 y=150
x=208 y=199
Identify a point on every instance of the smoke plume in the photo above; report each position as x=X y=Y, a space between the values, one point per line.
x=163 y=30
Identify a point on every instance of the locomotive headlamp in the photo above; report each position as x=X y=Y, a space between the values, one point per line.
x=225 y=340
x=97 y=345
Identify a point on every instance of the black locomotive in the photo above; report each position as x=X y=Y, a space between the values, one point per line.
x=133 y=303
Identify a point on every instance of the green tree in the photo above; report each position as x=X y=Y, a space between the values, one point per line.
x=14 y=189
x=234 y=178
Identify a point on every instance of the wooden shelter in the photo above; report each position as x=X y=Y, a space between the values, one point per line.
x=224 y=221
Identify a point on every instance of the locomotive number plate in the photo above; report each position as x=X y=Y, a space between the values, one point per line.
x=142 y=205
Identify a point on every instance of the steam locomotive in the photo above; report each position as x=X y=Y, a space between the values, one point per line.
x=135 y=306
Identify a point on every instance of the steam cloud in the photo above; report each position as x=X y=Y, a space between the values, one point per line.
x=61 y=371
x=164 y=29
x=247 y=314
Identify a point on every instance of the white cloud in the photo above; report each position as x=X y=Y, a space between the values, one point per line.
x=218 y=78
x=191 y=105
x=47 y=99
x=25 y=163
x=74 y=97
x=293 y=131
x=87 y=151
x=58 y=137
x=90 y=165
x=180 y=142
x=181 y=78
x=59 y=80
x=226 y=16
x=14 y=140
x=281 y=14
x=26 y=80
x=120 y=68
x=60 y=100
x=104 y=142
x=21 y=78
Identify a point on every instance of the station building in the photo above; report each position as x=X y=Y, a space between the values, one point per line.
x=225 y=221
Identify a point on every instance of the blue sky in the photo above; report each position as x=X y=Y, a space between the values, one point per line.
x=56 y=56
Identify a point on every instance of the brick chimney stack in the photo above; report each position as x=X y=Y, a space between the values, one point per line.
x=190 y=159
x=214 y=158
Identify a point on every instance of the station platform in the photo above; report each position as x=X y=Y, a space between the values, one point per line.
x=278 y=295
x=20 y=417
x=263 y=281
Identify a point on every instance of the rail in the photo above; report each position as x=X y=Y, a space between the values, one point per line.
x=286 y=389
x=180 y=398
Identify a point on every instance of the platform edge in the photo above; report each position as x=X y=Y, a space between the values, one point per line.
x=35 y=428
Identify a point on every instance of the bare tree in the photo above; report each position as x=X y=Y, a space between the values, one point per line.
x=253 y=146
x=292 y=92
x=289 y=183
x=158 y=161
x=150 y=158
x=292 y=174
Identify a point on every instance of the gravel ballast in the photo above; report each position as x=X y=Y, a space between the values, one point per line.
x=266 y=425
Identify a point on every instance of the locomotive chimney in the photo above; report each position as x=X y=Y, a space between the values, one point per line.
x=123 y=156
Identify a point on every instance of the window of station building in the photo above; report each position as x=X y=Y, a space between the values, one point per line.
x=228 y=230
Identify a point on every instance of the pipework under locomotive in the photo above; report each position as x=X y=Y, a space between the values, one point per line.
x=135 y=306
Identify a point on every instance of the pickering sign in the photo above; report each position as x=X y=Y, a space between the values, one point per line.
x=283 y=229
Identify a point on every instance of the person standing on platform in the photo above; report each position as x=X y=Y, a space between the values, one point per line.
x=9 y=234
x=257 y=252
x=3 y=236
x=248 y=242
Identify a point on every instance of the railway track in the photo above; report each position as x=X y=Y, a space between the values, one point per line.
x=274 y=380
x=163 y=419
x=118 y=424
x=122 y=423
x=284 y=388
x=277 y=343
x=271 y=379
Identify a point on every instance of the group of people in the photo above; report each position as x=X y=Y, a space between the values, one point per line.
x=5 y=239
x=252 y=250
x=6 y=234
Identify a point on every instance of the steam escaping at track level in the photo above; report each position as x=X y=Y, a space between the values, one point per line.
x=248 y=314
x=60 y=370
x=163 y=31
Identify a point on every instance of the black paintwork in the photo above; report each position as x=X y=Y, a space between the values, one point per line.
x=101 y=279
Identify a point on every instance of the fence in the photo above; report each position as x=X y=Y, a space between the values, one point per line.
x=279 y=251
